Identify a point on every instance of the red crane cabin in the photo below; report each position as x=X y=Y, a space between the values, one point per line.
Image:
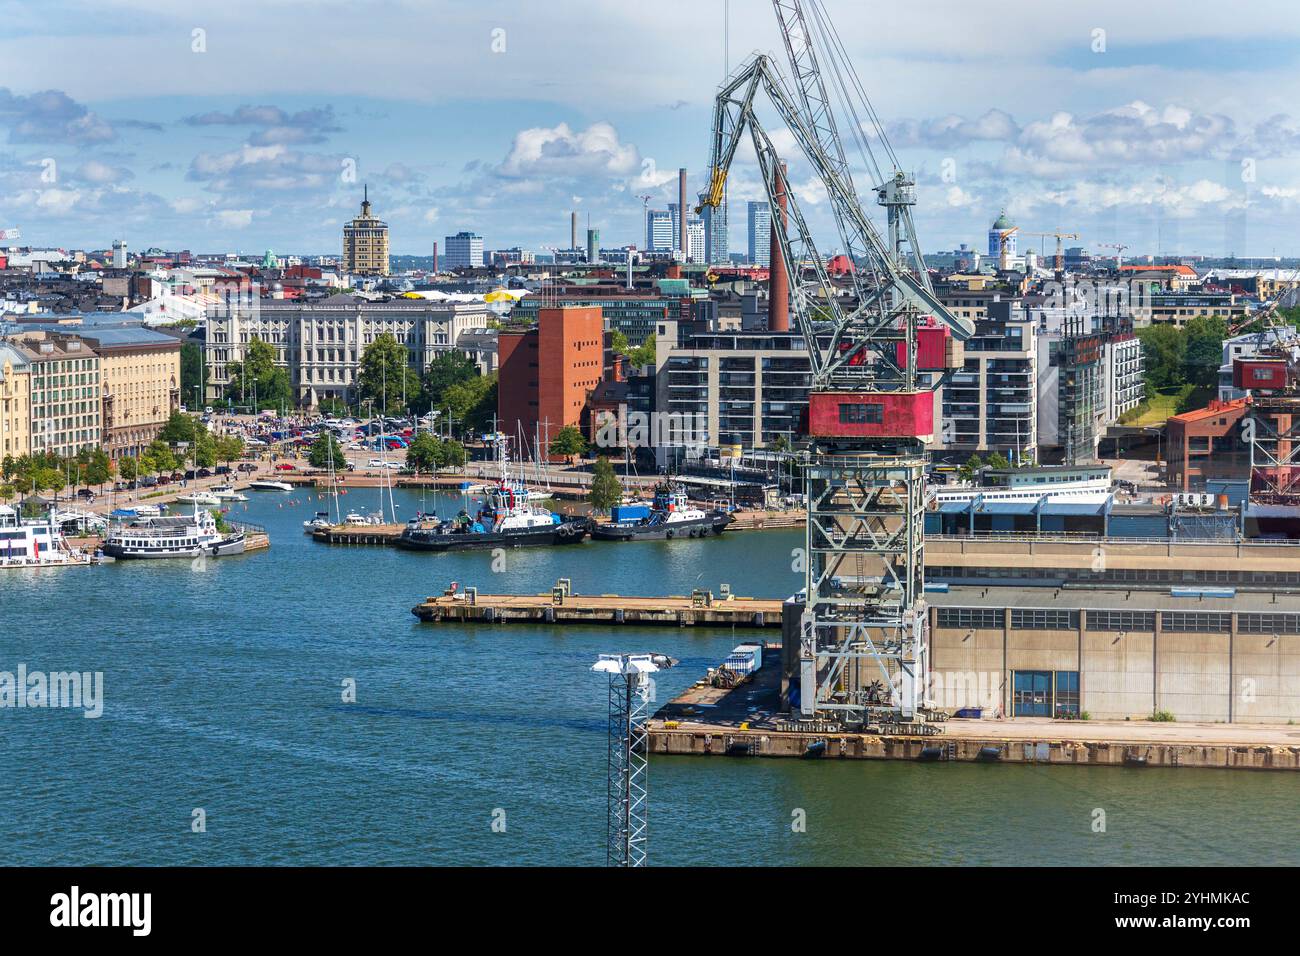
x=871 y=415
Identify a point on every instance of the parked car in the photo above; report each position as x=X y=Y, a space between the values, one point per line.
x=177 y=476
x=204 y=473
x=380 y=463
x=221 y=470
x=148 y=481
x=285 y=466
x=163 y=480
x=85 y=493
x=247 y=466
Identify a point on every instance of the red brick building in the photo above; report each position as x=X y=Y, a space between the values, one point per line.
x=547 y=372
x=1206 y=443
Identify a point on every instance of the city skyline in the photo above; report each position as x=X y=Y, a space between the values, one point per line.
x=260 y=146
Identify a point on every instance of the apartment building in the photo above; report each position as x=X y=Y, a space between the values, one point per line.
x=746 y=388
x=15 y=403
x=67 y=400
x=321 y=343
x=992 y=403
x=140 y=370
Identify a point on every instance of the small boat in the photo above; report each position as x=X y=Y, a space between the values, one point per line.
x=265 y=484
x=505 y=520
x=149 y=511
x=670 y=515
x=227 y=493
x=357 y=519
x=200 y=498
x=321 y=521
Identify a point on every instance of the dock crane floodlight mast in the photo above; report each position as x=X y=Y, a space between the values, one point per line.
x=871 y=405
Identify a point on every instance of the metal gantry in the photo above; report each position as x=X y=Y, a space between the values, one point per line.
x=865 y=611
x=630 y=695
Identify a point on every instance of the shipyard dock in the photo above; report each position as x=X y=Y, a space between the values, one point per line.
x=561 y=606
x=745 y=721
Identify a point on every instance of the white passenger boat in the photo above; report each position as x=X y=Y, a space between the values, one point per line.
x=34 y=544
x=228 y=493
x=180 y=536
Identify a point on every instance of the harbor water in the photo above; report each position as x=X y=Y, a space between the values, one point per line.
x=224 y=685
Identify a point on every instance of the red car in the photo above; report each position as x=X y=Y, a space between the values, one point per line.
x=285 y=466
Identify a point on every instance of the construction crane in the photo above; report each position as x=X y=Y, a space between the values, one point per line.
x=871 y=404
x=1060 y=246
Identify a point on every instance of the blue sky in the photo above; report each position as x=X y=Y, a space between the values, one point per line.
x=1170 y=127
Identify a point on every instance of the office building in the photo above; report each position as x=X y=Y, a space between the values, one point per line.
x=320 y=344
x=659 y=230
x=548 y=372
x=463 y=251
x=140 y=370
x=716 y=247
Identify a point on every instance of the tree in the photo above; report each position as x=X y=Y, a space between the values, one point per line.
x=1164 y=353
x=568 y=442
x=779 y=444
x=99 y=469
x=453 y=454
x=424 y=453
x=606 y=489
x=385 y=376
x=643 y=354
x=1204 y=351
x=258 y=376
x=997 y=461
x=448 y=369
x=473 y=401
x=158 y=457
x=48 y=479
x=126 y=468
x=325 y=450
x=228 y=448
x=618 y=342
x=191 y=370
x=968 y=471
x=7 y=492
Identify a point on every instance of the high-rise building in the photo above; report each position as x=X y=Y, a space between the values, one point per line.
x=697 y=241
x=365 y=243
x=760 y=233
x=715 y=233
x=659 y=230
x=119 y=254
x=593 y=245
x=678 y=232
x=464 y=251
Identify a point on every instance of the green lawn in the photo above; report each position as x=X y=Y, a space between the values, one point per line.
x=1157 y=409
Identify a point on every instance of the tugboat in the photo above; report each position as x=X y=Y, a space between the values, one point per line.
x=671 y=515
x=506 y=520
x=183 y=536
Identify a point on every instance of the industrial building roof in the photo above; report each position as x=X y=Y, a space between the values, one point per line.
x=1076 y=598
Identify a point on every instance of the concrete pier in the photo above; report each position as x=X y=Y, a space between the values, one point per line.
x=703 y=609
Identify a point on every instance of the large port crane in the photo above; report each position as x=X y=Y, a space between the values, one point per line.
x=877 y=356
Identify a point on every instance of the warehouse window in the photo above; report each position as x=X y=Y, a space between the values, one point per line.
x=1044 y=619
x=869 y=413
x=1031 y=694
x=967 y=617
x=1067 y=694
x=1268 y=623
x=1200 y=622
x=1121 y=620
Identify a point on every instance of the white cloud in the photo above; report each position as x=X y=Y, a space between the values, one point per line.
x=234 y=218
x=560 y=151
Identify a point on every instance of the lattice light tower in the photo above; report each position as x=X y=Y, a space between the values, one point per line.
x=630 y=695
x=871 y=408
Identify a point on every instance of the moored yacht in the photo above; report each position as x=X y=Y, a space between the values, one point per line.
x=35 y=544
